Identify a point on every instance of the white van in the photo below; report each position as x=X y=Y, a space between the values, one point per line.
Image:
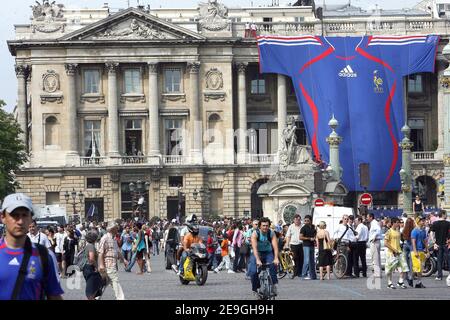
x=331 y=216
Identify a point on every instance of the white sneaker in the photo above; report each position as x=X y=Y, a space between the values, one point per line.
x=448 y=280
x=216 y=270
x=231 y=271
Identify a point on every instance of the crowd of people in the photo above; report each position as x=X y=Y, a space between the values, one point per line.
x=236 y=245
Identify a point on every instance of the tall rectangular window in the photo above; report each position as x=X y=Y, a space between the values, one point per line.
x=92 y=81
x=415 y=84
x=133 y=81
x=174 y=139
x=133 y=137
x=172 y=80
x=258 y=86
x=92 y=138
x=417 y=127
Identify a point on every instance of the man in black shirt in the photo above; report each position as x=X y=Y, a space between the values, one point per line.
x=441 y=230
x=308 y=236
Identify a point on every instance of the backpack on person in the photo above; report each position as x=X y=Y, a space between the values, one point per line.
x=43 y=257
x=81 y=259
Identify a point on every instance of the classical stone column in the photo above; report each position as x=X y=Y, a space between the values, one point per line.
x=444 y=85
x=22 y=73
x=153 y=112
x=242 y=105
x=282 y=107
x=113 y=111
x=442 y=69
x=195 y=123
x=72 y=130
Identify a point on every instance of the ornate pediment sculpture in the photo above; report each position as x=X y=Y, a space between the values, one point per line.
x=213 y=16
x=135 y=30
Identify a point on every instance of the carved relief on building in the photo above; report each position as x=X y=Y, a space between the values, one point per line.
x=446 y=160
x=445 y=83
x=47 y=11
x=132 y=30
x=214 y=82
x=51 y=87
x=50 y=81
x=47 y=17
x=214 y=79
x=213 y=16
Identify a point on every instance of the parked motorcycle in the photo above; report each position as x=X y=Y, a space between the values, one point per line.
x=196 y=265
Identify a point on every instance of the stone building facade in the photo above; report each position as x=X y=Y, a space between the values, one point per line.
x=107 y=98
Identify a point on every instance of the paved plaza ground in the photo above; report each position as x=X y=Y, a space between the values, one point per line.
x=163 y=284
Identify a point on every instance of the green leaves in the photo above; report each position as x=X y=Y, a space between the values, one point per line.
x=12 y=151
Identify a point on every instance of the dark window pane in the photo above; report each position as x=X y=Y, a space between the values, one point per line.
x=94 y=183
x=175 y=181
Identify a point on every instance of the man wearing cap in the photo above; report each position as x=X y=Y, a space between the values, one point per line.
x=26 y=274
x=108 y=254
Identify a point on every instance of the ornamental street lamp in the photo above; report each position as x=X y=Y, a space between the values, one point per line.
x=180 y=196
x=201 y=194
x=138 y=191
x=71 y=198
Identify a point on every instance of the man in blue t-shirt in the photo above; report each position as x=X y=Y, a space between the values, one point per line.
x=16 y=214
x=265 y=250
x=420 y=250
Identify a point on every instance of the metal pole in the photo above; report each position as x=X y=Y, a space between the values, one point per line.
x=405 y=172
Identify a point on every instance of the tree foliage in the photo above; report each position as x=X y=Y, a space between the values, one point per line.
x=12 y=151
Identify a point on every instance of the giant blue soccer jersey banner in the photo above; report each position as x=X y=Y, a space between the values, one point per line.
x=360 y=81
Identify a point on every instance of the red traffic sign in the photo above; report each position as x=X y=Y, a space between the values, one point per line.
x=319 y=202
x=366 y=199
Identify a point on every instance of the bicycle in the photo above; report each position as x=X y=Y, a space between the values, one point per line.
x=340 y=261
x=287 y=264
x=265 y=291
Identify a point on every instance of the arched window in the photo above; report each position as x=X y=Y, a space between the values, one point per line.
x=51 y=131
x=215 y=128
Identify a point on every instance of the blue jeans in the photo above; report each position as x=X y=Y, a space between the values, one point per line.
x=132 y=262
x=126 y=254
x=407 y=251
x=252 y=269
x=182 y=260
x=308 y=262
x=155 y=245
x=441 y=255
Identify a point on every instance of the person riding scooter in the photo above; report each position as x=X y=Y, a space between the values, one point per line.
x=191 y=237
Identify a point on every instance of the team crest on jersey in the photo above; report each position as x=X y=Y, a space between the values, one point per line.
x=377 y=82
x=348 y=72
x=32 y=271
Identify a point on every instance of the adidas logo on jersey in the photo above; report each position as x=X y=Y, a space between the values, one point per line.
x=14 y=262
x=348 y=72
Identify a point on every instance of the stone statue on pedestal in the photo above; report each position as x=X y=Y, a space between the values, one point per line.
x=291 y=153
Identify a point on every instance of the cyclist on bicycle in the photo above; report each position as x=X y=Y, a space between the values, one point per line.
x=344 y=235
x=265 y=250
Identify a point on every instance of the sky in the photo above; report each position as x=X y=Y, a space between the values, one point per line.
x=19 y=12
